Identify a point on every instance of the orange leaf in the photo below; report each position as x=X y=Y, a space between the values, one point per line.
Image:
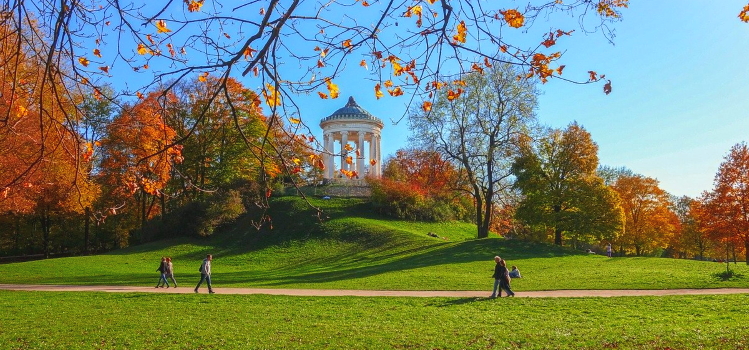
x=744 y=14
x=161 y=27
x=346 y=43
x=593 y=75
x=194 y=6
x=104 y=69
x=372 y=161
x=142 y=49
x=140 y=96
x=426 y=106
x=349 y=160
x=83 y=61
x=514 y=18
x=322 y=95
x=249 y=53
x=97 y=53
x=452 y=95
x=560 y=69
x=203 y=77
x=363 y=63
x=320 y=64
x=607 y=87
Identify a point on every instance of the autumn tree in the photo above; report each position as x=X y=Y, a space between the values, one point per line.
x=650 y=223
x=692 y=238
x=557 y=176
x=137 y=160
x=420 y=184
x=726 y=207
x=478 y=131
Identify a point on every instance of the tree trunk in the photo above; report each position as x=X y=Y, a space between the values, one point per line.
x=480 y=218
x=557 y=229
x=86 y=228
x=746 y=251
x=46 y=222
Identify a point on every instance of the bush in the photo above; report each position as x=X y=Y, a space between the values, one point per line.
x=398 y=199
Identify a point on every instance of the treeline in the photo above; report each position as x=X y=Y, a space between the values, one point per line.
x=483 y=157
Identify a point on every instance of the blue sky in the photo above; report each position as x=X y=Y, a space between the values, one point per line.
x=680 y=95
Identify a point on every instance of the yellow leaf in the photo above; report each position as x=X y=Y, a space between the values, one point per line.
x=378 y=92
x=272 y=98
x=142 y=49
x=744 y=14
x=295 y=120
x=83 y=61
x=161 y=26
x=462 y=31
x=203 y=77
x=332 y=88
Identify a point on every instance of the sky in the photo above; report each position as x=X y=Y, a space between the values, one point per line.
x=680 y=96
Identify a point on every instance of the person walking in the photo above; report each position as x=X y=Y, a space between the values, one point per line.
x=496 y=275
x=504 y=281
x=205 y=273
x=170 y=271
x=608 y=250
x=162 y=271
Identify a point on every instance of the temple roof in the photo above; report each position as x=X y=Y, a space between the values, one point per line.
x=351 y=110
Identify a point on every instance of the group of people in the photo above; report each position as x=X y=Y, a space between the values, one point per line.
x=167 y=272
x=503 y=277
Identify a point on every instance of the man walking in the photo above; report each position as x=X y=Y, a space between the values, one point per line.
x=205 y=273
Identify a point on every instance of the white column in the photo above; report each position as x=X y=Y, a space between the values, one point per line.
x=379 y=158
x=360 y=158
x=329 y=158
x=344 y=153
x=370 y=154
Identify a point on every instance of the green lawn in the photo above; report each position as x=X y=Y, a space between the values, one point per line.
x=355 y=250
x=46 y=320
x=352 y=249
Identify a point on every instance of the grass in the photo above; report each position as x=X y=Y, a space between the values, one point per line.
x=47 y=320
x=352 y=249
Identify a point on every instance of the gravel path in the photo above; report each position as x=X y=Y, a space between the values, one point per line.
x=375 y=293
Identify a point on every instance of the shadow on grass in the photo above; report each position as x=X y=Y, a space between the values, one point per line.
x=458 y=301
x=729 y=275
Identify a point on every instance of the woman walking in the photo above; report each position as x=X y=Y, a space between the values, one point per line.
x=501 y=279
x=162 y=271
x=170 y=271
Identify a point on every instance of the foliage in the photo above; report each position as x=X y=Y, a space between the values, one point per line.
x=419 y=185
x=725 y=209
x=650 y=223
x=478 y=132
x=557 y=176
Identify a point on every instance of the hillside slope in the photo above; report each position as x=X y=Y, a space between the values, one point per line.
x=350 y=248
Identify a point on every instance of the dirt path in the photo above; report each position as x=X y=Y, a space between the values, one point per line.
x=374 y=293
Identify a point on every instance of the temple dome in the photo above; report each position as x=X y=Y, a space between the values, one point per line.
x=351 y=110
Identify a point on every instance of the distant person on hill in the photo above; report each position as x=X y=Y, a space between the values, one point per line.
x=170 y=271
x=608 y=250
x=515 y=273
x=205 y=273
x=162 y=271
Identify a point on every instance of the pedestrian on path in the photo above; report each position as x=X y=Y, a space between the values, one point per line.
x=170 y=271
x=205 y=273
x=497 y=259
x=162 y=272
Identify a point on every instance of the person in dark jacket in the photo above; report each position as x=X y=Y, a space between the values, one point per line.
x=501 y=279
x=162 y=269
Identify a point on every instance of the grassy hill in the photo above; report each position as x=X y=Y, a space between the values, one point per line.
x=351 y=248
